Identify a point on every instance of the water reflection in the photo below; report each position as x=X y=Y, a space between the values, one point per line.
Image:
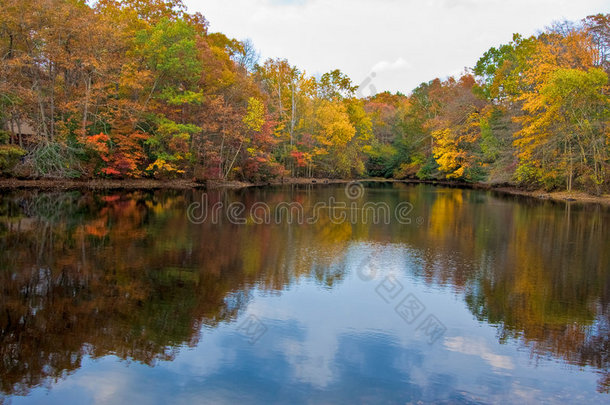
x=91 y=277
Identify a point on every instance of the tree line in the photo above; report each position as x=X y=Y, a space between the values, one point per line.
x=142 y=88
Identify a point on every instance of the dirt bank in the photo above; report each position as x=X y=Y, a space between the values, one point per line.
x=574 y=196
x=97 y=184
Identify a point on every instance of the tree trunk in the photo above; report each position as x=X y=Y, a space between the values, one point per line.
x=570 y=170
x=19 y=136
x=12 y=131
x=292 y=115
x=233 y=161
x=86 y=107
x=52 y=103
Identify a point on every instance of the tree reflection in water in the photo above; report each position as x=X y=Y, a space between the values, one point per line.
x=93 y=274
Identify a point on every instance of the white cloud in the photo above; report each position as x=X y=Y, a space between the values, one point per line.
x=398 y=64
x=476 y=347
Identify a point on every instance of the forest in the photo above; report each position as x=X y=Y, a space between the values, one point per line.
x=142 y=89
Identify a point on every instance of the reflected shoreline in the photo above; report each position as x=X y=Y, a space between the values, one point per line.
x=181 y=184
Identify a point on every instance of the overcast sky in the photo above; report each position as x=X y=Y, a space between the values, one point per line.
x=405 y=42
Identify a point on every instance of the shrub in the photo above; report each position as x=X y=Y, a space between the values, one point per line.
x=9 y=157
x=56 y=160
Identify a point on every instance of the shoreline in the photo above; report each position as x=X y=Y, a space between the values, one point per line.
x=181 y=184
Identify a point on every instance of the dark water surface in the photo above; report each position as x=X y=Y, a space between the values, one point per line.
x=461 y=297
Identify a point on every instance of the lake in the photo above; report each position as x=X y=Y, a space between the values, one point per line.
x=358 y=293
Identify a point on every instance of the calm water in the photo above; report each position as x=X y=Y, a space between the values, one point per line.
x=460 y=297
